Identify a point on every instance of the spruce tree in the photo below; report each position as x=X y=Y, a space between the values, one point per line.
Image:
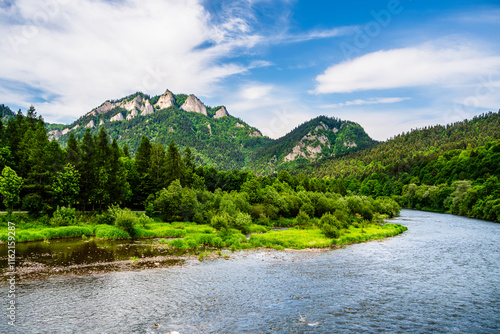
x=174 y=168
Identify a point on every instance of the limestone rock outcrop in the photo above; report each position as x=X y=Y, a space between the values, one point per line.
x=166 y=100
x=147 y=108
x=221 y=112
x=117 y=117
x=105 y=107
x=193 y=104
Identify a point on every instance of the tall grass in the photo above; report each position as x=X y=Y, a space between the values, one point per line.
x=108 y=232
x=49 y=233
x=292 y=238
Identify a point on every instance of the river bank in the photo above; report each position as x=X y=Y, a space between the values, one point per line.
x=93 y=256
x=440 y=276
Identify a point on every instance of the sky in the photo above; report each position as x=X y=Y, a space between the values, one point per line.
x=390 y=66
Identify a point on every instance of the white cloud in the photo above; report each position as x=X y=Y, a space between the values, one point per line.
x=437 y=63
x=272 y=110
x=359 y=102
x=89 y=51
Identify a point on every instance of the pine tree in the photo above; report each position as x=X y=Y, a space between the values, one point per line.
x=88 y=170
x=174 y=168
x=157 y=167
x=118 y=187
x=142 y=166
x=73 y=154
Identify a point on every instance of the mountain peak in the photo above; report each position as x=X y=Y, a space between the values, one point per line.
x=221 y=112
x=166 y=100
x=193 y=104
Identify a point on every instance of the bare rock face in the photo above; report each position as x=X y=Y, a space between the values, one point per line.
x=147 y=108
x=221 y=112
x=350 y=144
x=193 y=104
x=54 y=134
x=137 y=102
x=117 y=117
x=91 y=114
x=256 y=134
x=132 y=114
x=166 y=100
x=101 y=122
x=239 y=125
x=75 y=127
x=65 y=131
x=90 y=124
x=105 y=107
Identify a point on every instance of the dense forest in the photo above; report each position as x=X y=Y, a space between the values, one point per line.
x=224 y=142
x=96 y=176
x=453 y=168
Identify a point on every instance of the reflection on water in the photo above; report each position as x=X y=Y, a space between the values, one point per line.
x=67 y=252
x=442 y=275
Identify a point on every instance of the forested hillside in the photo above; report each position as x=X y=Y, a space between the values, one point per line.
x=216 y=138
x=453 y=168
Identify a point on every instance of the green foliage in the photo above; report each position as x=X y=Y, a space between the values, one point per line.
x=107 y=232
x=302 y=220
x=126 y=220
x=64 y=216
x=221 y=221
x=242 y=222
x=330 y=226
x=10 y=187
x=66 y=186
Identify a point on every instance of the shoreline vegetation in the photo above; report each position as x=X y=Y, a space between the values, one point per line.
x=190 y=241
x=280 y=234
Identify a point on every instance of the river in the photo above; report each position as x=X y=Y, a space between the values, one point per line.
x=441 y=276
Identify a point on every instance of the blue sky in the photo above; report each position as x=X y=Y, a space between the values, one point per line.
x=389 y=65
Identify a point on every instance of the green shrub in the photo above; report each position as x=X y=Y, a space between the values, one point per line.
x=105 y=218
x=221 y=221
x=302 y=219
x=330 y=231
x=63 y=216
x=242 y=222
x=125 y=220
x=178 y=243
x=108 y=232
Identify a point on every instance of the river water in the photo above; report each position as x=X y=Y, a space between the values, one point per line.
x=441 y=276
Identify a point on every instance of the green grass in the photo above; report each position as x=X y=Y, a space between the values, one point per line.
x=370 y=232
x=37 y=234
x=108 y=232
x=254 y=228
x=292 y=238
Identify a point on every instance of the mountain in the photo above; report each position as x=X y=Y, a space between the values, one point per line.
x=407 y=152
x=6 y=113
x=216 y=138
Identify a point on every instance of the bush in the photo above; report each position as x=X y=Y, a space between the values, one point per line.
x=178 y=243
x=63 y=217
x=105 y=218
x=302 y=219
x=125 y=220
x=330 y=231
x=242 y=222
x=110 y=233
x=221 y=221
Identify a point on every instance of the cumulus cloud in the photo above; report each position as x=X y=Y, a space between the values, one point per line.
x=436 y=63
x=360 y=102
x=273 y=110
x=85 y=52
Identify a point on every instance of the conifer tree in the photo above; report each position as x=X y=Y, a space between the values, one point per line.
x=88 y=170
x=142 y=166
x=174 y=169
